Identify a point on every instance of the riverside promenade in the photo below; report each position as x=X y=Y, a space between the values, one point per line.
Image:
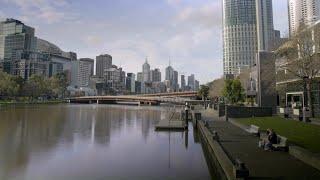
x=238 y=144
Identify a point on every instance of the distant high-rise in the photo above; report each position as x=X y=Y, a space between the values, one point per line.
x=14 y=36
x=146 y=71
x=156 y=75
x=139 y=77
x=131 y=82
x=196 y=85
x=169 y=73
x=191 y=82
x=86 y=66
x=265 y=28
x=175 y=82
x=103 y=62
x=183 y=83
x=301 y=12
x=239 y=35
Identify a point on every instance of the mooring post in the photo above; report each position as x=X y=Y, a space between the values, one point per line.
x=186 y=108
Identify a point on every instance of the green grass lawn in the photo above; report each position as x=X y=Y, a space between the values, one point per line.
x=299 y=133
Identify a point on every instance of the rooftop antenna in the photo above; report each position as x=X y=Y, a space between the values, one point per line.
x=169 y=61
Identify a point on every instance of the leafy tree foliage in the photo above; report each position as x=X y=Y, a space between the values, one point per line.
x=204 y=91
x=36 y=86
x=233 y=91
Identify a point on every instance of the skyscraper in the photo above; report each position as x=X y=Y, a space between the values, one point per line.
x=239 y=35
x=103 y=62
x=175 y=82
x=191 y=82
x=139 y=77
x=14 y=36
x=156 y=75
x=265 y=28
x=183 y=82
x=302 y=12
x=131 y=82
x=85 y=71
x=146 y=71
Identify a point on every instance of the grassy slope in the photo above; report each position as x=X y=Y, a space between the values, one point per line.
x=302 y=134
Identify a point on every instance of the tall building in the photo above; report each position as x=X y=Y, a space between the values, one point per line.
x=115 y=80
x=183 y=83
x=265 y=28
x=239 y=35
x=191 y=82
x=196 y=85
x=175 y=82
x=169 y=73
x=85 y=71
x=14 y=36
x=139 y=77
x=131 y=82
x=146 y=71
x=103 y=62
x=302 y=12
x=156 y=75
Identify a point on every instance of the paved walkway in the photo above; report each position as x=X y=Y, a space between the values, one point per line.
x=261 y=164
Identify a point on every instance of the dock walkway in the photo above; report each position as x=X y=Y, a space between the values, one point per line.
x=239 y=144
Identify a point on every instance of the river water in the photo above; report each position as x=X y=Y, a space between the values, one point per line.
x=95 y=142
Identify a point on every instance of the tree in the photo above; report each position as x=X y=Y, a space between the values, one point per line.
x=58 y=84
x=216 y=88
x=37 y=86
x=301 y=58
x=204 y=92
x=233 y=91
x=8 y=85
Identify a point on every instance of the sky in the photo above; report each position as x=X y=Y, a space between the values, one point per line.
x=187 y=32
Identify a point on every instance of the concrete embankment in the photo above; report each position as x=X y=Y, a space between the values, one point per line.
x=216 y=153
x=238 y=144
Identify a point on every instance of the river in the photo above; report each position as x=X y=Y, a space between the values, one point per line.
x=70 y=141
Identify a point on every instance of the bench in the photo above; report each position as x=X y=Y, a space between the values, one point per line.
x=253 y=130
x=282 y=143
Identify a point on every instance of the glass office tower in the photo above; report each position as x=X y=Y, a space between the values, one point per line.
x=14 y=35
x=239 y=35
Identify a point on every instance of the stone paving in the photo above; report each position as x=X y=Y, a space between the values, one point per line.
x=239 y=144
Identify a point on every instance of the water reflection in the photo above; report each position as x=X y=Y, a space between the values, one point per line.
x=94 y=142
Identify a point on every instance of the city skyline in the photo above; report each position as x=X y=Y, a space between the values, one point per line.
x=158 y=38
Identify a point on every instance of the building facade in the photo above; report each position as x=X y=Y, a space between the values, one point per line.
x=239 y=35
x=146 y=72
x=131 y=82
x=85 y=71
x=156 y=75
x=301 y=12
x=191 y=82
x=265 y=27
x=115 y=80
x=103 y=62
x=14 y=36
x=183 y=83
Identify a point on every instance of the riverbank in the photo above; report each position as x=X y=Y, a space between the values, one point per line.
x=238 y=144
x=5 y=103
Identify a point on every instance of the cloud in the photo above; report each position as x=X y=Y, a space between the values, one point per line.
x=46 y=10
x=208 y=15
x=93 y=40
x=174 y=2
